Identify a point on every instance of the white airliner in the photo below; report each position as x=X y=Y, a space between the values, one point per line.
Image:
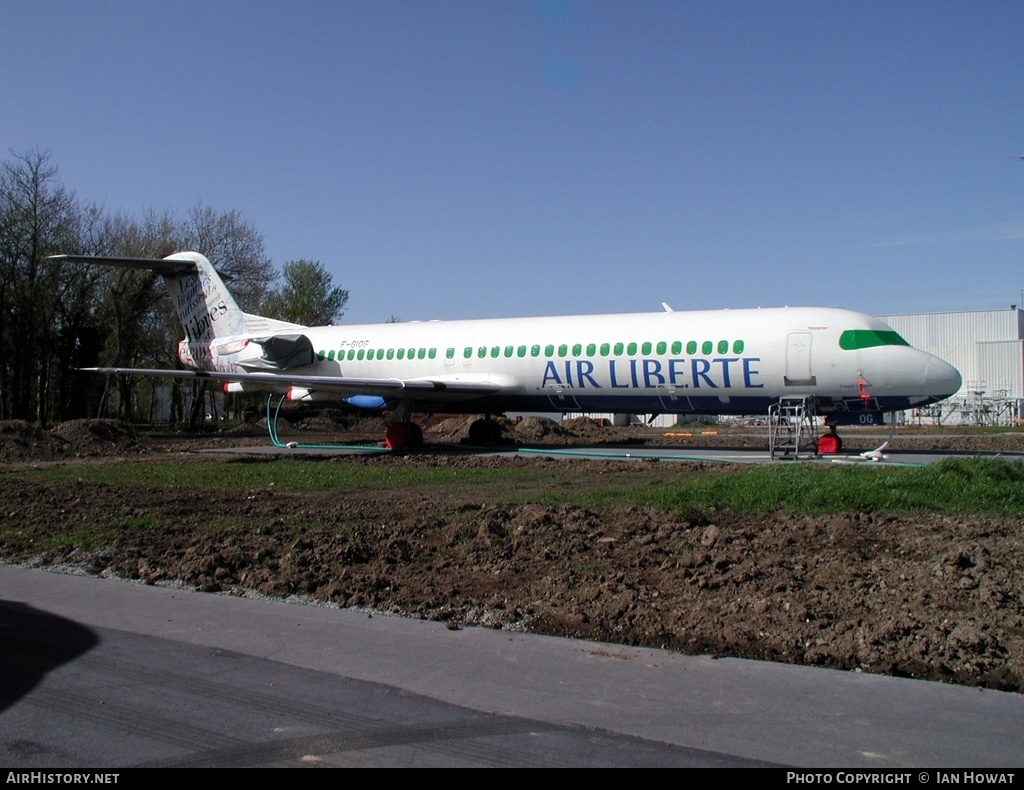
x=695 y=362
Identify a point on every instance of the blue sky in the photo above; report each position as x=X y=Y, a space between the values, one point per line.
x=475 y=159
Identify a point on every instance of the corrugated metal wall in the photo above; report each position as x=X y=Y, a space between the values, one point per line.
x=1001 y=368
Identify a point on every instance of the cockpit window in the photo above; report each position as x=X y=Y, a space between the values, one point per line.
x=852 y=339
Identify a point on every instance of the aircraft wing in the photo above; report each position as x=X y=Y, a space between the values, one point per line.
x=399 y=389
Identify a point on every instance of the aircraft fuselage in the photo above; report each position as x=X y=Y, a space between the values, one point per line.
x=711 y=362
x=698 y=362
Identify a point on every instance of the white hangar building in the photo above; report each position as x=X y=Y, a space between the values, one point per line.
x=987 y=347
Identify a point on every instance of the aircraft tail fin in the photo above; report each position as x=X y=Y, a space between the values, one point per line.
x=205 y=307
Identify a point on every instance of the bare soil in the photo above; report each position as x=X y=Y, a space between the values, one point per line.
x=923 y=596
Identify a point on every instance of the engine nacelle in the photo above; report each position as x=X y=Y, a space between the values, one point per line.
x=371 y=402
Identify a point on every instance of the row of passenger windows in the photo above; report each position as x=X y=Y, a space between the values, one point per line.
x=603 y=350
x=660 y=348
x=380 y=353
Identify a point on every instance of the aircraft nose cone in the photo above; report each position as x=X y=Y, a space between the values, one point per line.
x=942 y=378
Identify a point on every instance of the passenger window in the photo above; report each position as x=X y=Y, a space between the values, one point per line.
x=723 y=346
x=677 y=346
x=737 y=347
x=521 y=351
x=577 y=350
x=707 y=347
x=618 y=349
x=605 y=349
x=631 y=349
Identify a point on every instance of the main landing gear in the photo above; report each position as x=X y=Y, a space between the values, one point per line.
x=484 y=431
x=403 y=432
x=400 y=435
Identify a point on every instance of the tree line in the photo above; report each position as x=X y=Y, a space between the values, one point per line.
x=56 y=317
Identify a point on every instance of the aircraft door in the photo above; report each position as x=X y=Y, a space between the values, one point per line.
x=674 y=401
x=564 y=401
x=798 y=360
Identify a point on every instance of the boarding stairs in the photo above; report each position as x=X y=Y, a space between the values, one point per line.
x=791 y=429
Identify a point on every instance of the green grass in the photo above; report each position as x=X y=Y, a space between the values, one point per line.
x=954 y=486
x=287 y=475
x=88 y=536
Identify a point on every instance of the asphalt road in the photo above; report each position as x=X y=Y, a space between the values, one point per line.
x=101 y=673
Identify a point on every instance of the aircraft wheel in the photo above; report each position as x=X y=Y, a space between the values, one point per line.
x=403 y=434
x=484 y=432
x=397 y=436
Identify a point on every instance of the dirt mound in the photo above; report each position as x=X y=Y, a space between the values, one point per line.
x=98 y=437
x=532 y=429
x=454 y=430
x=284 y=428
x=583 y=428
x=1005 y=442
x=247 y=429
x=22 y=441
x=370 y=426
x=321 y=424
x=91 y=433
